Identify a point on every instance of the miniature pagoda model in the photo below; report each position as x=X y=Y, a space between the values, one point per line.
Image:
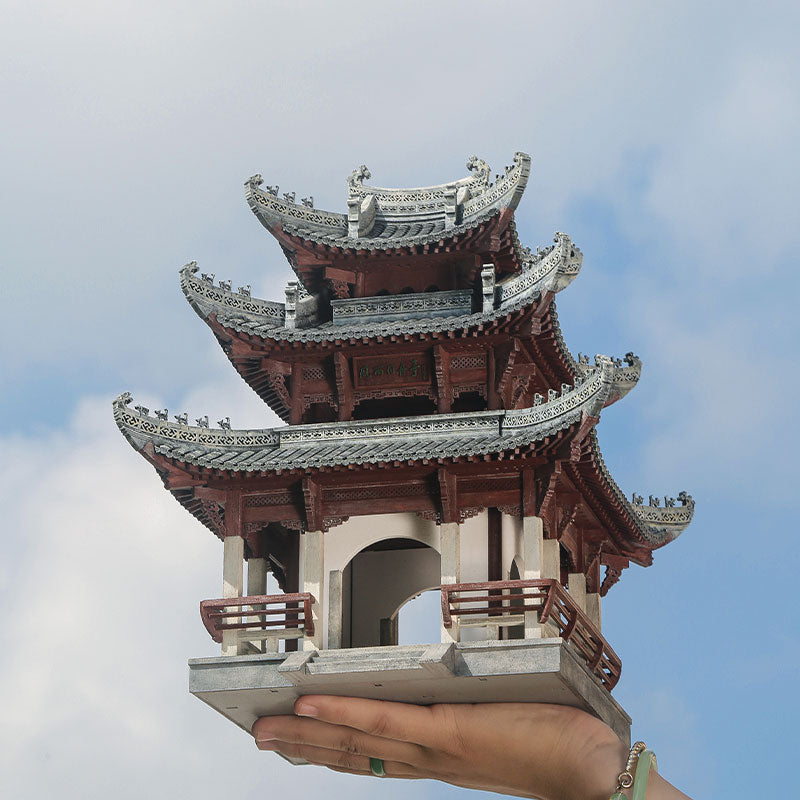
x=440 y=435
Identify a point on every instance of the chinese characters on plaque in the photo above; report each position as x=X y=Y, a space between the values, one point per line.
x=391 y=370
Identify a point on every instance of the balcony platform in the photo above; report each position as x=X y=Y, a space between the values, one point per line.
x=246 y=687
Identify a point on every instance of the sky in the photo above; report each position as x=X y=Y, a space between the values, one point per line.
x=663 y=139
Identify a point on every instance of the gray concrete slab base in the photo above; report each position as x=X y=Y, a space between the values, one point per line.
x=243 y=688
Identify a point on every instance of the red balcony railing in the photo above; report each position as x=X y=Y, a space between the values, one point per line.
x=259 y=617
x=506 y=602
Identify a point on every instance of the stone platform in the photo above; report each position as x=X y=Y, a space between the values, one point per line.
x=243 y=688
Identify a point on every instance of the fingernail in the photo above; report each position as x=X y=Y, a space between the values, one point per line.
x=267 y=744
x=306 y=710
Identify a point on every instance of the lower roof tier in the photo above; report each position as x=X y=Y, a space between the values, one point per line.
x=552 y=432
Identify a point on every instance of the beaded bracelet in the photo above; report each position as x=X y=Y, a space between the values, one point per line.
x=645 y=760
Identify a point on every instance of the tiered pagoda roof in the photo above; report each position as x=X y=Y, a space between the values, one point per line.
x=513 y=411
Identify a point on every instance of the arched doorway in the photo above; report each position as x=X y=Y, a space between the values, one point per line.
x=377 y=582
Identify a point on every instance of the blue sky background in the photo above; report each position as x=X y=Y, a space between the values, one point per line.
x=663 y=139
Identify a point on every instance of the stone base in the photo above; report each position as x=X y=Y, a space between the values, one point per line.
x=244 y=688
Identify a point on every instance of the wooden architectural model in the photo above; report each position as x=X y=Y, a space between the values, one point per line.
x=440 y=435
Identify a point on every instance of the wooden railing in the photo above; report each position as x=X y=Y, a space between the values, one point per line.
x=505 y=603
x=265 y=617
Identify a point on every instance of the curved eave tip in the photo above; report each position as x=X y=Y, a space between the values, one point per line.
x=120 y=405
x=187 y=272
x=663 y=524
x=625 y=373
x=572 y=261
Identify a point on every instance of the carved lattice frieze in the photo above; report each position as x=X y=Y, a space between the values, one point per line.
x=511 y=510
x=272 y=499
x=332 y=522
x=477 y=388
x=322 y=397
x=314 y=373
x=374 y=492
x=468 y=361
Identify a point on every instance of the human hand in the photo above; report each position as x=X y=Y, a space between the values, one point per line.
x=535 y=750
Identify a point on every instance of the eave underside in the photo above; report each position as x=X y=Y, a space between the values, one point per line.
x=531 y=333
x=593 y=532
x=454 y=257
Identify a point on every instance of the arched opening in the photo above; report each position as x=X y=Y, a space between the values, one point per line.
x=432 y=288
x=377 y=583
x=407 y=290
x=420 y=618
x=382 y=293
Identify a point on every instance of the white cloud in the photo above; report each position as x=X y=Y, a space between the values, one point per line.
x=102 y=575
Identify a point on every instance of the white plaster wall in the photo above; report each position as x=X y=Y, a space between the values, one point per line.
x=345 y=541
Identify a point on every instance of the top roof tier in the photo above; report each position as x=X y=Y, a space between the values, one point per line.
x=382 y=221
x=379 y=218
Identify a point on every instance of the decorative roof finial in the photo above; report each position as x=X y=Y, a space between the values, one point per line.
x=480 y=168
x=359 y=175
x=125 y=399
x=254 y=180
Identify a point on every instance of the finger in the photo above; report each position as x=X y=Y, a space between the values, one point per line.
x=359 y=772
x=340 y=760
x=400 y=721
x=314 y=732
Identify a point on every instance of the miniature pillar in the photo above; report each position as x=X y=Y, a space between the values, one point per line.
x=593 y=609
x=450 y=547
x=257 y=584
x=532 y=546
x=551 y=559
x=551 y=568
x=576 y=585
x=290 y=307
x=488 y=287
x=334 y=609
x=232 y=581
x=312 y=565
x=257 y=576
